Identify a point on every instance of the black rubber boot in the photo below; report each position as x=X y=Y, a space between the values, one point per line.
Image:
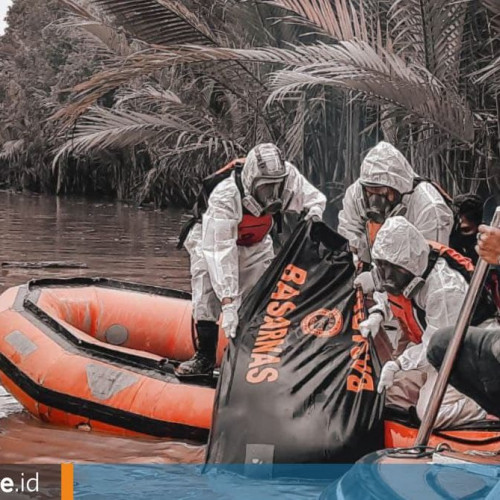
x=203 y=362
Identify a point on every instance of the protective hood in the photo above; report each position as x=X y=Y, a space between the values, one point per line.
x=384 y=165
x=263 y=177
x=401 y=243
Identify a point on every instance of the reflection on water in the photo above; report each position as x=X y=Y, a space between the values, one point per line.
x=26 y=440
x=112 y=240
x=115 y=240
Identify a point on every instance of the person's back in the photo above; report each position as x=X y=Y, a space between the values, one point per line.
x=429 y=212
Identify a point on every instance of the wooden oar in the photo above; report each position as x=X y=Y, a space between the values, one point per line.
x=464 y=318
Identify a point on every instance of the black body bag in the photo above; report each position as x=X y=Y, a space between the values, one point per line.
x=298 y=385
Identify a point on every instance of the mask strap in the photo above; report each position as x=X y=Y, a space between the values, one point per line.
x=365 y=196
x=282 y=187
x=377 y=280
x=398 y=209
x=413 y=287
x=239 y=183
x=248 y=201
x=251 y=205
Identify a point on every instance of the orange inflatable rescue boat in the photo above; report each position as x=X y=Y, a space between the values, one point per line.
x=401 y=431
x=100 y=354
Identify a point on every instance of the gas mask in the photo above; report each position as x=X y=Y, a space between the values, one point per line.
x=396 y=280
x=268 y=195
x=378 y=205
x=264 y=178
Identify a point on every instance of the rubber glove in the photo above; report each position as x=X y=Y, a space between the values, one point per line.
x=366 y=282
x=230 y=319
x=371 y=325
x=314 y=214
x=387 y=376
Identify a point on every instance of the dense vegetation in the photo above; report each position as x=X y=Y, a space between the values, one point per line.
x=139 y=99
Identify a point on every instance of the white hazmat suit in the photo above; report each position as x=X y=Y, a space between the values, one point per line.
x=219 y=267
x=421 y=204
x=441 y=298
x=231 y=248
x=425 y=208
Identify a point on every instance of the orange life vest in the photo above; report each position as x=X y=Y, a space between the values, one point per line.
x=251 y=229
x=372 y=228
x=412 y=318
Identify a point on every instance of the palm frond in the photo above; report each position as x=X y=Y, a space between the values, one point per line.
x=494 y=8
x=105 y=38
x=78 y=8
x=382 y=76
x=102 y=129
x=350 y=65
x=339 y=18
x=11 y=149
x=430 y=32
x=150 y=98
x=226 y=22
x=161 y=22
x=148 y=62
x=490 y=76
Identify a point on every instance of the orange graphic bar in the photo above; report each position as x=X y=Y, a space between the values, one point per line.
x=66 y=481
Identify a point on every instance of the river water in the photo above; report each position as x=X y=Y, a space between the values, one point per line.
x=134 y=244
x=113 y=240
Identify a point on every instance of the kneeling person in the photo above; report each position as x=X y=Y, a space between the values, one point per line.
x=426 y=285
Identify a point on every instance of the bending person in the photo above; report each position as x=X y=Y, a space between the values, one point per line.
x=426 y=284
x=476 y=369
x=231 y=248
x=389 y=186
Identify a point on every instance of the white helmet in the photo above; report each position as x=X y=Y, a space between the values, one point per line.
x=263 y=178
